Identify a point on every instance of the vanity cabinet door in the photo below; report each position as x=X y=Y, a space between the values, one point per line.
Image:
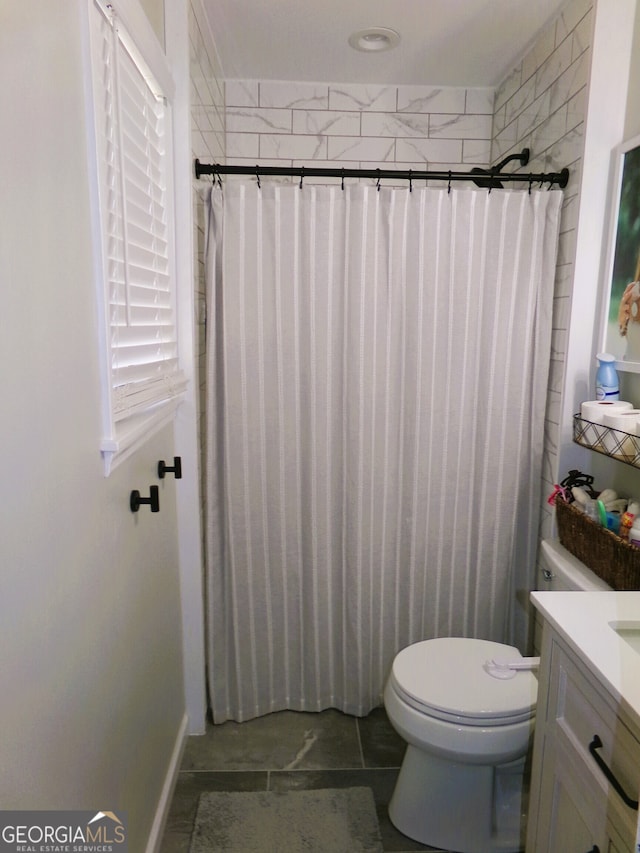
x=571 y=818
x=574 y=808
x=614 y=848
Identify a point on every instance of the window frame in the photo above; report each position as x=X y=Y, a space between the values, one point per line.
x=123 y=435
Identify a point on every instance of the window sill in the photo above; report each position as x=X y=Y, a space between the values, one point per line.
x=131 y=433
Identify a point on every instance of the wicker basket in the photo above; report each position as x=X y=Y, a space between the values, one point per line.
x=607 y=555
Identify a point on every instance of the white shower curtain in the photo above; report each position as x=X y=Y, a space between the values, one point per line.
x=377 y=374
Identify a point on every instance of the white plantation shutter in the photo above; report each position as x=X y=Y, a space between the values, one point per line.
x=134 y=165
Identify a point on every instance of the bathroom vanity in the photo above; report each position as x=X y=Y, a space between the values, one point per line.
x=586 y=759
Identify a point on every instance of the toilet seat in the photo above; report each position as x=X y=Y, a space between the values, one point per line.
x=445 y=678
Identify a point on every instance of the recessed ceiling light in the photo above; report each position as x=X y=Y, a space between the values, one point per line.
x=374 y=39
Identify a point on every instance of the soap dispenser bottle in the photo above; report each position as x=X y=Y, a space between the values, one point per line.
x=607 y=386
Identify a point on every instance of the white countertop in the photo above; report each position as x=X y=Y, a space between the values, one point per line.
x=582 y=620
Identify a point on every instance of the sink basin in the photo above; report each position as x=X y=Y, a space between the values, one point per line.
x=629 y=632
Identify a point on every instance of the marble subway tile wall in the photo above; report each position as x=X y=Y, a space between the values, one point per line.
x=208 y=143
x=542 y=105
x=356 y=126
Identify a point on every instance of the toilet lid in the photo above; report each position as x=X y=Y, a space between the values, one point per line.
x=446 y=678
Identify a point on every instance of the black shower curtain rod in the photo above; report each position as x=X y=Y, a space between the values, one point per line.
x=485 y=178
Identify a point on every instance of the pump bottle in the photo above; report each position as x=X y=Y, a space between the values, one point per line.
x=607 y=386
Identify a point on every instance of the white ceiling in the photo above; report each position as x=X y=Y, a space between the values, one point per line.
x=444 y=42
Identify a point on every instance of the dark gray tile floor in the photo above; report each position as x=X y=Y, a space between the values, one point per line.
x=290 y=750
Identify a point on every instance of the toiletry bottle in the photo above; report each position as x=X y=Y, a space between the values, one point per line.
x=613 y=522
x=626 y=523
x=634 y=533
x=607 y=387
x=590 y=509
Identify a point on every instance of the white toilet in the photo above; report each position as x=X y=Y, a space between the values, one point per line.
x=468 y=732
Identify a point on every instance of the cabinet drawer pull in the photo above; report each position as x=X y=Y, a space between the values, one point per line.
x=596 y=744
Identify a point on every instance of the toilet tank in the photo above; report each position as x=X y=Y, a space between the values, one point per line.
x=559 y=570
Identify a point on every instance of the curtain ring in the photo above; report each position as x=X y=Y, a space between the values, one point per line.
x=258 y=176
x=449 y=184
x=492 y=177
x=218 y=177
x=530 y=183
x=301 y=175
x=378 y=181
x=342 y=180
x=410 y=182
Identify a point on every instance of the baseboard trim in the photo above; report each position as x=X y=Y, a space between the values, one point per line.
x=166 y=795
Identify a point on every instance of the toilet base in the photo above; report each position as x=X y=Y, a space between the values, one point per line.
x=467 y=808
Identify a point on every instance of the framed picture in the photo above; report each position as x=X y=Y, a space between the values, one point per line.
x=622 y=312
